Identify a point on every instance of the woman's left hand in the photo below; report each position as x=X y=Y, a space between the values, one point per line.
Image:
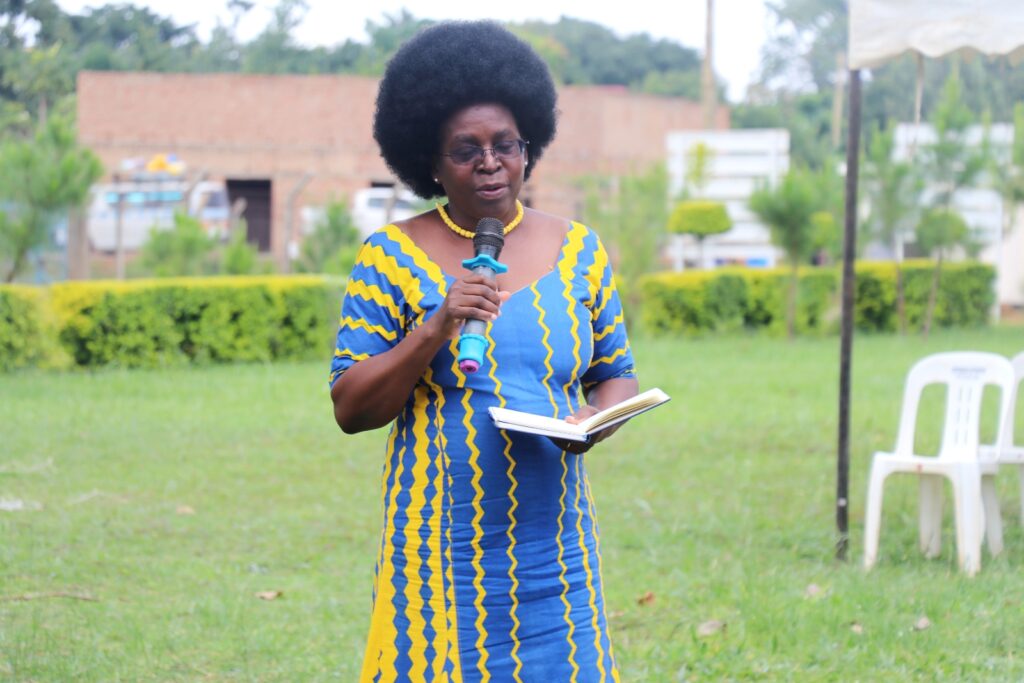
x=606 y=394
x=579 y=446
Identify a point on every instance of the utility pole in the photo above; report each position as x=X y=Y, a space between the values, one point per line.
x=708 y=95
x=119 y=229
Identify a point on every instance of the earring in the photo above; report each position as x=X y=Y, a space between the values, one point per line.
x=437 y=181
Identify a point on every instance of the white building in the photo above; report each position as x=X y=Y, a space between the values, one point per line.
x=740 y=161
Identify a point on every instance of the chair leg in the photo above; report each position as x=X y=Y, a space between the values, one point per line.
x=1021 y=470
x=929 y=513
x=873 y=512
x=967 y=497
x=993 y=519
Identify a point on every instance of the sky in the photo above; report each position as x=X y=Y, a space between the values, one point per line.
x=740 y=25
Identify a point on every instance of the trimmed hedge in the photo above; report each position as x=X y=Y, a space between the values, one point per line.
x=28 y=333
x=965 y=298
x=150 y=323
x=700 y=301
x=735 y=298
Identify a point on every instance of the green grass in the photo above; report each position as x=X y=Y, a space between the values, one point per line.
x=720 y=505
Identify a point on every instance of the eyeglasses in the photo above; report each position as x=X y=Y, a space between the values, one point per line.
x=471 y=154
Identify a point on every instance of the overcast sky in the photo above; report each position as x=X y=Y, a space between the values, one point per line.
x=740 y=25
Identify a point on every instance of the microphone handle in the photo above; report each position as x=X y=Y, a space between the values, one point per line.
x=472 y=325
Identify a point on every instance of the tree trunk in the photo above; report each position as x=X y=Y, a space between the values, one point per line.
x=794 y=280
x=901 y=306
x=932 y=295
x=78 y=245
x=16 y=266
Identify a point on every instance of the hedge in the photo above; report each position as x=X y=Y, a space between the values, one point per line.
x=735 y=298
x=28 y=331
x=150 y=323
x=701 y=301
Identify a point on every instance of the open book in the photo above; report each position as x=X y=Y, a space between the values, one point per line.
x=515 y=420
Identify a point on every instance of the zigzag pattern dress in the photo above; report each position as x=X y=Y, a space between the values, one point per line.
x=489 y=566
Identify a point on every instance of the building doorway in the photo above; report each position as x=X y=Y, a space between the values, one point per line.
x=258 y=210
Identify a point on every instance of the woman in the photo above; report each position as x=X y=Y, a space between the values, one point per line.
x=489 y=566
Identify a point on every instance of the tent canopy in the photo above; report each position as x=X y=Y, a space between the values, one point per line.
x=881 y=30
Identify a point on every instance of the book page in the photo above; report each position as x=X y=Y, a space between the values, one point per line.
x=628 y=408
x=516 y=420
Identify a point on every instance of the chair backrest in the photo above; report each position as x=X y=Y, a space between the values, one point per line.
x=965 y=374
x=1007 y=440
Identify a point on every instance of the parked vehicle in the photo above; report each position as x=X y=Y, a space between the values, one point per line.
x=375 y=207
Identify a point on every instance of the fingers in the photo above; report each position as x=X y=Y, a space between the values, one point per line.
x=575 y=447
x=475 y=297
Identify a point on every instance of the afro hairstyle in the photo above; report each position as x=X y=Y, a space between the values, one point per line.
x=445 y=68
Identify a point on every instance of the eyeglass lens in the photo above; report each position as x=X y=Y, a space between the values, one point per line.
x=507 y=149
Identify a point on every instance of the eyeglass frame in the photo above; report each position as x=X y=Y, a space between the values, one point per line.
x=480 y=153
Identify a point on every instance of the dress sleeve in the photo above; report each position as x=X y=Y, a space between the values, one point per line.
x=372 y=310
x=612 y=357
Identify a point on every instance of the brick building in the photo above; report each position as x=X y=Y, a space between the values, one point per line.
x=285 y=142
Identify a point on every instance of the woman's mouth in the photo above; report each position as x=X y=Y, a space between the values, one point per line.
x=491 y=191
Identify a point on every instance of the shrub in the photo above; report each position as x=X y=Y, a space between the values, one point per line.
x=28 y=334
x=729 y=298
x=151 y=323
x=964 y=299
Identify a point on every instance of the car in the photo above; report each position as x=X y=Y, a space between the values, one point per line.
x=374 y=207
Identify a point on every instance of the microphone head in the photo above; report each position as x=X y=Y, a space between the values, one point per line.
x=489 y=237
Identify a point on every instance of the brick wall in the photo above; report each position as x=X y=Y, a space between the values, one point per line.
x=282 y=128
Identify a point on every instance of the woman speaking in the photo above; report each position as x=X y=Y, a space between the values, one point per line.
x=489 y=566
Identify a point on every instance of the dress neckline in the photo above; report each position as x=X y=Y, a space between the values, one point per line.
x=408 y=242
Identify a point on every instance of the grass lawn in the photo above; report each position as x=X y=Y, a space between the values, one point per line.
x=156 y=505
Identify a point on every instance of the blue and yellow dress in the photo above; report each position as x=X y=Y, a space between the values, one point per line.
x=489 y=566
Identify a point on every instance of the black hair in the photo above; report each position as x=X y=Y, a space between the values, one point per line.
x=445 y=68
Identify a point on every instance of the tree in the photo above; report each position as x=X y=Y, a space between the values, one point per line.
x=893 y=189
x=699 y=217
x=788 y=211
x=631 y=212
x=274 y=51
x=938 y=233
x=39 y=179
x=332 y=246
x=952 y=164
x=185 y=249
x=40 y=76
x=1008 y=176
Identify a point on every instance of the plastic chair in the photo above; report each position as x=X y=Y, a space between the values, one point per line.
x=1008 y=449
x=965 y=375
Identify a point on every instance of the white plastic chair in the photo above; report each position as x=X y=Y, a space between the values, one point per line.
x=1009 y=450
x=965 y=375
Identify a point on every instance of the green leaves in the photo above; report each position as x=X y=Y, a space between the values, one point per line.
x=699 y=217
x=39 y=178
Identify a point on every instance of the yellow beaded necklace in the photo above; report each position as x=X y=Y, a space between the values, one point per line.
x=469 y=234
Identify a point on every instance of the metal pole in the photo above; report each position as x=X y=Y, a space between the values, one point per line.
x=119 y=229
x=291 y=247
x=846 y=337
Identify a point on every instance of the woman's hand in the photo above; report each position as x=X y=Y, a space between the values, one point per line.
x=579 y=446
x=472 y=297
x=604 y=395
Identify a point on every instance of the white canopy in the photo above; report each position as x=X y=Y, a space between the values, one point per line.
x=883 y=29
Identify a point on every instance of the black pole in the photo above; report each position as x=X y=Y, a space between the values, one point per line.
x=846 y=336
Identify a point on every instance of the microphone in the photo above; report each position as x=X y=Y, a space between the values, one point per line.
x=487 y=243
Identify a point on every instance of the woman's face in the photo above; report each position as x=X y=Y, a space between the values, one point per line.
x=487 y=185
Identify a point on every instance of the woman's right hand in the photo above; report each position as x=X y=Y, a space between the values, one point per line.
x=471 y=297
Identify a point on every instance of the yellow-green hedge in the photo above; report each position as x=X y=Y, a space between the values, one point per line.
x=701 y=301
x=147 y=323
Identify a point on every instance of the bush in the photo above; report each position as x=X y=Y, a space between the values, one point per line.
x=149 y=323
x=731 y=298
x=28 y=336
x=964 y=299
x=734 y=298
